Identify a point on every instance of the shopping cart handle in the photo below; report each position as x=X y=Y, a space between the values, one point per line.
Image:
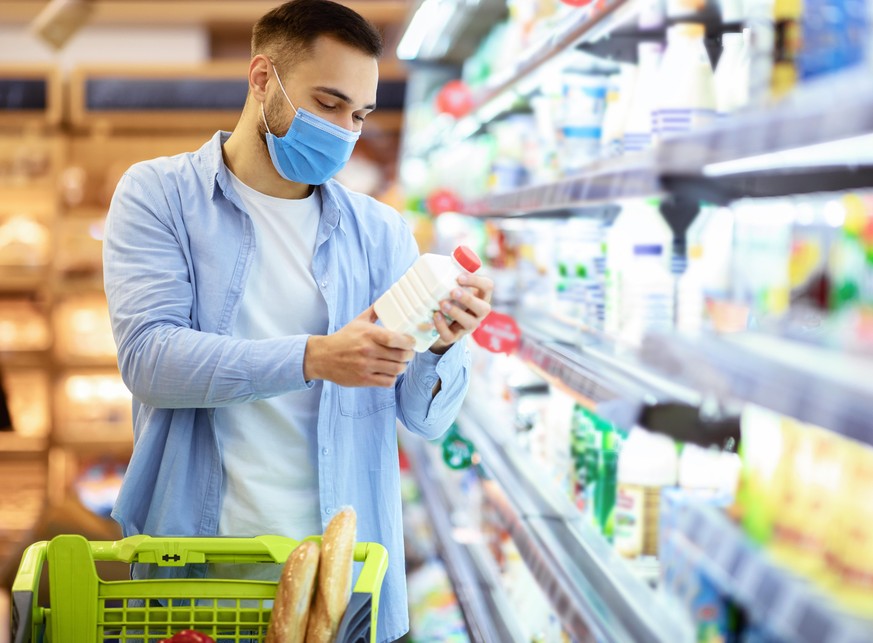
x=178 y=552
x=25 y=589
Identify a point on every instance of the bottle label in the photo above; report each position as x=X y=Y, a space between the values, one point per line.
x=667 y=122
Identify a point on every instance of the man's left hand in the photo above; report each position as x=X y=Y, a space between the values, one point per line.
x=468 y=307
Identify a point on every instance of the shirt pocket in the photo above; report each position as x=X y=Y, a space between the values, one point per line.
x=361 y=402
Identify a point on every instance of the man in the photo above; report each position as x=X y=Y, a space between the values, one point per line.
x=240 y=282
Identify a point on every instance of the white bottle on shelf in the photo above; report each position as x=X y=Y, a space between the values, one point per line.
x=648 y=462
x=685 y=83
x=409 y=305
x=618 y=102
x=638 y=130
x=638 y=284
x=732 y=74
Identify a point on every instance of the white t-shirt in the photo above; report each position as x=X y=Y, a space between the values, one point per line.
x=269 y=447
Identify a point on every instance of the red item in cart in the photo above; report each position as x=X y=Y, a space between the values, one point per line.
x=189 y=636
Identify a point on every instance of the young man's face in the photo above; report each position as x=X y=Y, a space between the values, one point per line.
x=334 y=81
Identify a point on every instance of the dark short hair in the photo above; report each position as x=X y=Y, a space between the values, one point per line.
x=289 y=31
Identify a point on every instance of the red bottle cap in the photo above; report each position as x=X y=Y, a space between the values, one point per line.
x=468 y=259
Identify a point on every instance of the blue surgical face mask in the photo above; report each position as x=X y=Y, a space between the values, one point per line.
x=312 y=150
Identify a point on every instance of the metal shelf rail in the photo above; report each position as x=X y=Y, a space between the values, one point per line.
x=474 y=576
x=826 y=388
x=593 y=592
x=772 y=596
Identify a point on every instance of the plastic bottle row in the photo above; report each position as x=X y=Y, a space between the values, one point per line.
x=782 y=265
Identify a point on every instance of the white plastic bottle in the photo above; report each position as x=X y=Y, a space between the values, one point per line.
x=618 y=102
x=638 y=129
x=648 y=462
x=638 y=283
x=732 y=74
x=685 y=83
x=409 y=305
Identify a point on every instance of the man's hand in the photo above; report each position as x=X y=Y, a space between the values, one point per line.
x=468 y=307
x=359 y=354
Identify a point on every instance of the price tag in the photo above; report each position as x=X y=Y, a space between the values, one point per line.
x=498 y=333
x=457 y=450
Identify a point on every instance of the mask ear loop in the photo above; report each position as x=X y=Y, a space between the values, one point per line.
x=282 y=87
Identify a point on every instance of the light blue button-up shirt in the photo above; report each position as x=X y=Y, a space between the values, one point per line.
x=177 y=251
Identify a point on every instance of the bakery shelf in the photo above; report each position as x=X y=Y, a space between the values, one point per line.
x=828 y=388
x=17 y=279
x=473 y=574
x=12 y=442
x=594 y=592
x=790 y=607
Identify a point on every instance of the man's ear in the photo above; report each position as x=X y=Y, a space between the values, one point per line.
x=260 y=68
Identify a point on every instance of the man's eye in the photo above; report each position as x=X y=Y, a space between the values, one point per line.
x=325 y=105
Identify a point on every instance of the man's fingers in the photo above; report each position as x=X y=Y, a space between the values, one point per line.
x=442 y=328
x=484 y=284
x=368 y=315
x=386 y=367
x=390 y=339
x=464 y=318
x=476 y=305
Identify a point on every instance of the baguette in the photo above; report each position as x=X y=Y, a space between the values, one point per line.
x=334 y=588
x=290 y=614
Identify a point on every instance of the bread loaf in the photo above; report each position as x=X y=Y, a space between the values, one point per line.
x=294 y=596
x=334 y=588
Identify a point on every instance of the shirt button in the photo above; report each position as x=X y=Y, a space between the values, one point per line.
x=325 y=451
x=324 y=284
x=329 y=511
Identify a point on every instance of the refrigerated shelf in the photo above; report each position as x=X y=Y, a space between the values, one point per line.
x=594 y=592
x=603 y=184
x=498 y=95
x=799 y=145
x=602 y=371
x=474 y=576
x=772 y=596
x=830 y=389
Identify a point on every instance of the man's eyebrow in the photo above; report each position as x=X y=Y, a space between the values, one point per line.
x=335 y=92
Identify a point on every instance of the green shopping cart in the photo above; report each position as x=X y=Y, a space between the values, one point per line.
x=83 y=608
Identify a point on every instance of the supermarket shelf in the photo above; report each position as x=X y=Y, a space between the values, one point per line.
x=589 y=23
x=621 y=44
x=593 y=592
x=500 y=93
x=603 y=184
x=787 y=605
x=599 y=369
x=751 y=140
x=473 y=574
x=830 y=389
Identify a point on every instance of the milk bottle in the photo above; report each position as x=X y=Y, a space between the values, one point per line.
x=409 y=305
x=685 y=86
x=732 y=74
x=638 y=130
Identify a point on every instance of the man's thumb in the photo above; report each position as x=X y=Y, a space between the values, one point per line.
x=368 y=315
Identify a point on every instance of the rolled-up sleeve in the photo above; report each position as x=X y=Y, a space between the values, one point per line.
x=417 y=408
x=164 y=361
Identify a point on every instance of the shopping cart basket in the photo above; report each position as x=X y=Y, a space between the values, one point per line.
x=86 y=609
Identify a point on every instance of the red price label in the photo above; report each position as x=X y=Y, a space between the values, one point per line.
x=498 y=333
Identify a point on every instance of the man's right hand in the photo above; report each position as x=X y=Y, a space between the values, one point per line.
x=359 y=354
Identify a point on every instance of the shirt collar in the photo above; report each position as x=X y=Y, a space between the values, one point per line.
x=217 y=177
